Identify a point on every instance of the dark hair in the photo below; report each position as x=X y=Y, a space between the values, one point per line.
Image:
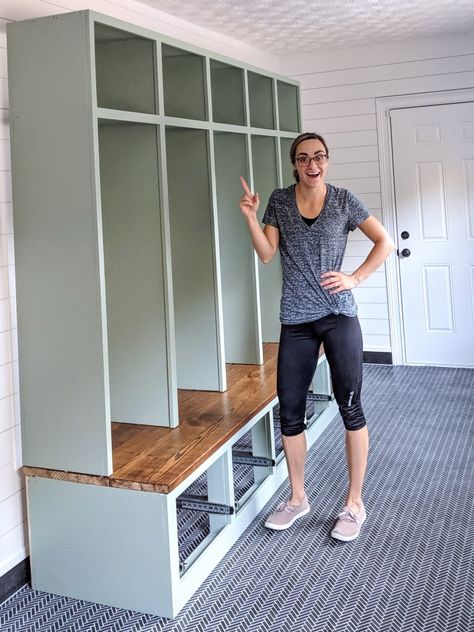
x=299 y=139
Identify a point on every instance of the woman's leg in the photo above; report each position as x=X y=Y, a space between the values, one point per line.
x=297 y=358
x=343 y=347
x=357 y=449
x=295 y=453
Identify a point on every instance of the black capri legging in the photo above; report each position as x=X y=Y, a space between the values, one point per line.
x=297 y=359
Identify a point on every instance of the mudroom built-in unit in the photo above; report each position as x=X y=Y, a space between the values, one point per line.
x=147 y=328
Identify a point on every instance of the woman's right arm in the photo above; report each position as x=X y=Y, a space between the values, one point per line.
x=265 y=242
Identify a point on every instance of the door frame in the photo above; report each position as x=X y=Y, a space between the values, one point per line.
x=383 y=106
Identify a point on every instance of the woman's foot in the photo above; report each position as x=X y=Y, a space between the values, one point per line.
x=348 y=524
x=285 y=515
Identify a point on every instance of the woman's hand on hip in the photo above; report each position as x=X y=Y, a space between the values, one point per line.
x=249 y=202
x=336 y=282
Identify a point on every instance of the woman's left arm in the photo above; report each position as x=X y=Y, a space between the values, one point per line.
x=383 y=245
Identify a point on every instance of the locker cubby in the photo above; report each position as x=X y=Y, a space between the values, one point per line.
x=244 y=474
x=227 y=87
x=262 y=112
x=184 y=83
x=196 y=294
x=253 y=460
x=265 y=170
x=193 y=526
x=134 y=273
x=237 y=260
x=125 y=70
x=288 y=106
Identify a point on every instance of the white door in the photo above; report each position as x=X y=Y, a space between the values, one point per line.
x=433 y=157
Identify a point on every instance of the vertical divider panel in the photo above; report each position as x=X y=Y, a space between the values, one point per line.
x=241 y=331
x=219 y=298
x=159 y=85
x=265 y=173
x=193 y=259
x=220 y=489
x=221 y=354
x=168 y=281
x=136 y=305
x=64 y=385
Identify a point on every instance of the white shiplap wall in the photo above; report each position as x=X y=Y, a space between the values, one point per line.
x=339 y=89
x=12 y=528
x=12 y=502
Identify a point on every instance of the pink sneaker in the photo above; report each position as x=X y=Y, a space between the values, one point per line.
x=286 y=514
x=348 y=524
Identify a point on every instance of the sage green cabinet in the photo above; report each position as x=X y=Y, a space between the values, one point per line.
x=135 y=272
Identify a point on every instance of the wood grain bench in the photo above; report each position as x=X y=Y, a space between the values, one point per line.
x=115 y=538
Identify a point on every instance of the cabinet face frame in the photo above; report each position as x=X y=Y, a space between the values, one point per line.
x=83 y=24
x=281 y=137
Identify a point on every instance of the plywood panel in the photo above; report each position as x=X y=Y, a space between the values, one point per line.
x=60 y=286
x=193 y=259
x=264 y=160
x=136 y=303
x=238 y=271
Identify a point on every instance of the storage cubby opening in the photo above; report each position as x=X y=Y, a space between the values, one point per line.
x=125 y=70
x=227 y=87
x=315 y=406
x=184 y=83
x=193 y=526
x=244 y=475
x=241 y=333
x=193 y=259
x=261 y=101
x=288 y=107
x=134 y=273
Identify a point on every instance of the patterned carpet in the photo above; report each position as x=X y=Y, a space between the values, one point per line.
x=412 y=569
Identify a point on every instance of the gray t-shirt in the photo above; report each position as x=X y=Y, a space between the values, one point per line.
x=308 y=251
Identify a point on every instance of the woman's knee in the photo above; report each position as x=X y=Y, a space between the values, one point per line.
x=291 y=428
x=352 y=415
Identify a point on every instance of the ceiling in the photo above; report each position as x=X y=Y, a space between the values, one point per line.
x=295 y=26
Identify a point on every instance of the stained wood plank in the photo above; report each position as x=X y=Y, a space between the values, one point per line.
x=151 y=458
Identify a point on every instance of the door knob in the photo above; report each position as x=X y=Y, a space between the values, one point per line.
x=406 y=252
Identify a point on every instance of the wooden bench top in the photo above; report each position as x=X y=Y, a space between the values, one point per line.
x=151 y=458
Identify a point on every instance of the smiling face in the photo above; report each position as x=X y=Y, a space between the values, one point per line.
x=311 y=174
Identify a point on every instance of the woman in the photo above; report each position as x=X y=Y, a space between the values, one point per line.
x=309 y=222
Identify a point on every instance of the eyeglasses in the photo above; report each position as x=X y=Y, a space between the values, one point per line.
x=305 y=160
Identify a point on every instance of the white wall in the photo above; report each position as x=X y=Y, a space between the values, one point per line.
x=12 y=530
x=339 y=89
x=12 y=506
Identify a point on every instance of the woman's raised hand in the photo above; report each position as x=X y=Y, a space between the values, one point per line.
x=249 y=202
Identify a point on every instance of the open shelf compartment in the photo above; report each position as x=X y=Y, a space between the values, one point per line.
x=184 y=83
x=125 y=70
x=227 y=86
x=262 y=112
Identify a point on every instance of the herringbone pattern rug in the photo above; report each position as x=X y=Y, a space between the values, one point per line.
x=411 y=570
